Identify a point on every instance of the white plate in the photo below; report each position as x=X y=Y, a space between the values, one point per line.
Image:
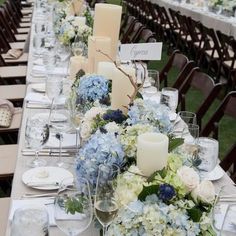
x=39 y=177
x=40 y=88
x=215 y=174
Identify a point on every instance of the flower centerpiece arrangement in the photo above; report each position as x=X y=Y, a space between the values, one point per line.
x=171 y=201
x=227 y=5
x=67 y=29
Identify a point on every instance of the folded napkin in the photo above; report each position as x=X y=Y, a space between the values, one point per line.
x=48 y=203
x=38 y=61
x=40 y=70
x=13 y=54
x=39 y=98
x=68 y=141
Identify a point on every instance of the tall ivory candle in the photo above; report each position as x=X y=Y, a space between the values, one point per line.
x=80 y=21
x=107 y=69
x=122 y=88
x=152 y=152
x=77 y=6
x=76 y=63
x=107 y=23
x=94 y=44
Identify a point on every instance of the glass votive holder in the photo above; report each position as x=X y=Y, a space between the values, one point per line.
x=169 y=97
x=30 y=220
x=153 y=77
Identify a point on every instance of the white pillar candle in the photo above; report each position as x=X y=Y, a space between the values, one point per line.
x=107 y=23
x=122 y=88
x=76 y=63
x=80 y=21
x=152 y=152
x=106 y=69
x=77 y=6
x=94 y=44
x=121 y=85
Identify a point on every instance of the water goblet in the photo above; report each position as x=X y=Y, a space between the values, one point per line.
x=73 y=206
x=106 y=207
x=76 y=117
x=208 y=149
x=60 y=123
x=54 y=85
x=36 y=135
x=225 y=198
x=28 y=219
x=153 y=76
x=169 y=97
x=188 y=117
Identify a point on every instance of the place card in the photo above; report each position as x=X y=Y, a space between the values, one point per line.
x=140 y=51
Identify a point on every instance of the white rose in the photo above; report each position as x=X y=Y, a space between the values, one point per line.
x=204 y=192
x=112 y=127
x=189 y=177
x=86 y=129
x=92 y=113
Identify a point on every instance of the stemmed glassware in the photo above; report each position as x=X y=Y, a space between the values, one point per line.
x=73 y=206
x=36 y=135
x=76 y=117
x=224 y=211
x=105 y=205
x=60 y=123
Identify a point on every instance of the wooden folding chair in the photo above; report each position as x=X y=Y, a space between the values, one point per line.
x=204 y=84
x=177 y=61
x=9 y=135
x=228 y=163
x=227 y=107
x=8 y=160
x=5 y=207
x=14 y=93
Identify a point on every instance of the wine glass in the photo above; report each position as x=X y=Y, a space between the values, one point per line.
x=223 y=220
x=60 y=123
x=188 y=117
x=73 y=206
x=54 y=85
x=76 y=116
x=36 y=135
x=105 y=206
x=28 y=219
x=153 y=76
x=208 y=149
x=169 y=97
x=229 y=222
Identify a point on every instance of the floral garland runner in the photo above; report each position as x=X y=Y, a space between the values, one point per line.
x=226 y=4
x=172 y=201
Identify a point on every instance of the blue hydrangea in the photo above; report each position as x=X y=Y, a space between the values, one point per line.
x=150 y=112
x=93 y=87
x=101 y=148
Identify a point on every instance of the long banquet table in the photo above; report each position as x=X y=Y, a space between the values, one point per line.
x=18 y=187
x=226 y=25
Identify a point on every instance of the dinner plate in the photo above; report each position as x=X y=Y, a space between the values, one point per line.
x=45 y=178
x=40 y=88
x=215 y=174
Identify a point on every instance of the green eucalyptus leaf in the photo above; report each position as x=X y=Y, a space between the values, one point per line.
x=174 y=143
x=195 y=214
x=147 y=191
